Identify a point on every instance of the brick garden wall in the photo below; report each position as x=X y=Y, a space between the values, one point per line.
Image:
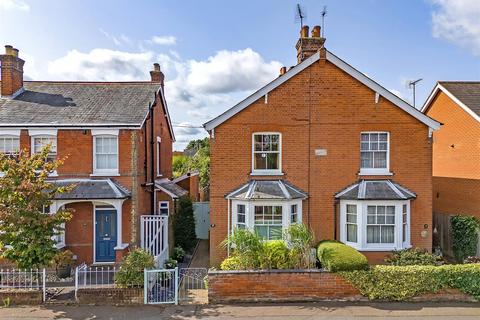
x=119 y=296
x=277 y=286
x=21 y=297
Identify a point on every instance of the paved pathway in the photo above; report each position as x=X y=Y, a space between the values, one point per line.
x=320 y=311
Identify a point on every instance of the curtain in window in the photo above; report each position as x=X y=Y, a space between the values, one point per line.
x=106 y=152
x=380 y=224
x=9 y=144
x=351 y=222
x=374 y=148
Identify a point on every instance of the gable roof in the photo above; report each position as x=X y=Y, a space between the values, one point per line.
x=341 y=65
x=81 y=104
x=464 y=93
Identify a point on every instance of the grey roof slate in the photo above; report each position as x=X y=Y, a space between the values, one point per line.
x=77 y=103
x=375 y=190
x=171 y=187
x=92 y=189
x=466 y=91
x=267 y=189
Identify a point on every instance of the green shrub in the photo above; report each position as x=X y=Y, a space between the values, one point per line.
x=399 y=283
x=132 y=267
x=300 y=240
x=232 y=263
x=412 y=256
x=465 y=236
x=336 y=256
x=275 y=255
x=178 y=253
x=246 y=245
x=170 y=263
x=184 y=225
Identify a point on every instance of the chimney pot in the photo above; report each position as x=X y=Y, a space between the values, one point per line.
x=15 y=52
x=304 y=32
x=9 y=50
x=157 y=75
x=283 y=70
x=156 y=67
x=316 y=32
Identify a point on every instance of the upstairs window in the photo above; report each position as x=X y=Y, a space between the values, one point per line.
x=40 y=142
x=9 y=145
x=266 y=153
x=106 y=154
x=374 y=153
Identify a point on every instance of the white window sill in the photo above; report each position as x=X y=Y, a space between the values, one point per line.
x=373 y=249
x=103 y=263
x=60 y=245
x=122 y=247
x=105 y=174
x=266 y=173
x=375 y=173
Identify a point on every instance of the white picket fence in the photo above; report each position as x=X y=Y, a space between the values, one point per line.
x=18 y=279
x=154 y=237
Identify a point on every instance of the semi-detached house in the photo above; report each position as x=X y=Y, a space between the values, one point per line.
x=117 y=137
x=325 y=145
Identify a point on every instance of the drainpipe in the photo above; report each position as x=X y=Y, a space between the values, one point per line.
x=152 y=156
x=228 y=228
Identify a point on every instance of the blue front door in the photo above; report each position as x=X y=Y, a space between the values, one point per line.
x=105 y=235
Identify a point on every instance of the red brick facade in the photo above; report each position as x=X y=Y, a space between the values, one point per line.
x=277 y=286
x=322 y=107
x=456 y=158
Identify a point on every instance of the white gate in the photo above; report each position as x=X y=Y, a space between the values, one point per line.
x=161 y=286
x=154 y=237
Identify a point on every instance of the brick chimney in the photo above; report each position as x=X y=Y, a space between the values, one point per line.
x=308 y=46
x=12 y=72
x=156 y=74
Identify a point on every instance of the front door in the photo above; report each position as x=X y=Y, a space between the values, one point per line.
x=105 y=235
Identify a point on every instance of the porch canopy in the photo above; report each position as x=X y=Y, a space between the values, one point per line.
x=267 y=190
x=170 y=188
x=375 y=190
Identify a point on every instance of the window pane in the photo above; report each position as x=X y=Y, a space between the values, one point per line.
x=380 y=219
x=352 y=233
x=388 y=234
x=364 y=137
x=373 y=234
x=258 y=142
x=294 y=218
x=371 y=209
x=275 y=142
x=106 y=153
x=262 y=231
x=241 y=208
x=272 y=161
x=367 y=160
x=373 y=137
x=371 y=219
x=380 y=160
x=383 y=136
x=293 y=208
x=352 y=218
x=351 y=208
x=390 y=209
x=241 y=218
x=275 y=233
x=260 y=162
x=390 y=220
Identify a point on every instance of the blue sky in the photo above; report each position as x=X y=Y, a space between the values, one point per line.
x=214 y=53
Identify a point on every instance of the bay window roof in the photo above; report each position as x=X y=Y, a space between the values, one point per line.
x=91 y=189
x=267 y=190
x=375 y=190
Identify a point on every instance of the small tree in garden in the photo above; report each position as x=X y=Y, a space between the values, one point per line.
x=184 y=224
x=465 y=236
x=24 y=193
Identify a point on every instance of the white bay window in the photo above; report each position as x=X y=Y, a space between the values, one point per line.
x=375 y=225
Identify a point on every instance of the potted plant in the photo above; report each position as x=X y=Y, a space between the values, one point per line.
x=178 y=253
x=63 y=262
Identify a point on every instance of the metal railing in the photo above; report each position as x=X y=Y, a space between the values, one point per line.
x=161 y=286
x=18 y=279
x=154 y=237
x=192 y=281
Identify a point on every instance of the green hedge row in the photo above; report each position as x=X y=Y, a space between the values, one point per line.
x=399 y=283
x=336 y=256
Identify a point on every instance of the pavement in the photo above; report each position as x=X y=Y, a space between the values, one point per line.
x=303 y=311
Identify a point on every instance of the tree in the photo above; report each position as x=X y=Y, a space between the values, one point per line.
x=199 y=161
x=184 y=224
x=24 y=193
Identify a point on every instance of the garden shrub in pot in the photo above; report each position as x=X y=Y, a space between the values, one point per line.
x=132 y=268
x=336 y=256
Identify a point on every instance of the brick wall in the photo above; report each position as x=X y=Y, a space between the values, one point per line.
x=121 y=296
x=278 y=286
x=22 y=297
x=321 y=107
x=456 y=196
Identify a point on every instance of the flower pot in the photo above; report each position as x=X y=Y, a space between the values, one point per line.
x=64 y=272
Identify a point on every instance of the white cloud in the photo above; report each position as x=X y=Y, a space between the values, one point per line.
x=118 y=41
x=458 y=22
x=230 y=71
x=14 y=5
x=102 y=65
x=164 y=40
x=196 y=90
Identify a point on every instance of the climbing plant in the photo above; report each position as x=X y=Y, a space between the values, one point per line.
x=465 y=236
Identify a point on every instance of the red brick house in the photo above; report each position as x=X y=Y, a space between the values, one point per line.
x=118 y=139
x=325 y=145
x=456 y=147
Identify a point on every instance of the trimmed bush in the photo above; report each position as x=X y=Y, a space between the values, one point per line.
x=232 y=263
x=398 y=283
x=275 y=255
x=184 y=225
x=465 y=236
x=412 y=257
x=132 y=267
x=336 y=256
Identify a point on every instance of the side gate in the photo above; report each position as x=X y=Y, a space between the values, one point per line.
x=161 y=286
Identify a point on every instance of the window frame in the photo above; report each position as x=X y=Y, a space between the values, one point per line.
x=250 y=212
x=160 y=203
x=361 y=243
x=375 y=171
x=11 y=136
x=158 y=153
x=267 y=172
x=44 y=133
x=104 y=172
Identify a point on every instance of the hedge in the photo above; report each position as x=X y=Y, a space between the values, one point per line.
x=399 y=283
x=336 y=256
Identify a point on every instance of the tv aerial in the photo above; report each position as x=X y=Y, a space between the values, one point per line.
x=300 y=14
x=324 y=14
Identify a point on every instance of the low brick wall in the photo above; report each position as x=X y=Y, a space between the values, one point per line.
x=278 y=286
x=124 y=296
x=21 y=297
